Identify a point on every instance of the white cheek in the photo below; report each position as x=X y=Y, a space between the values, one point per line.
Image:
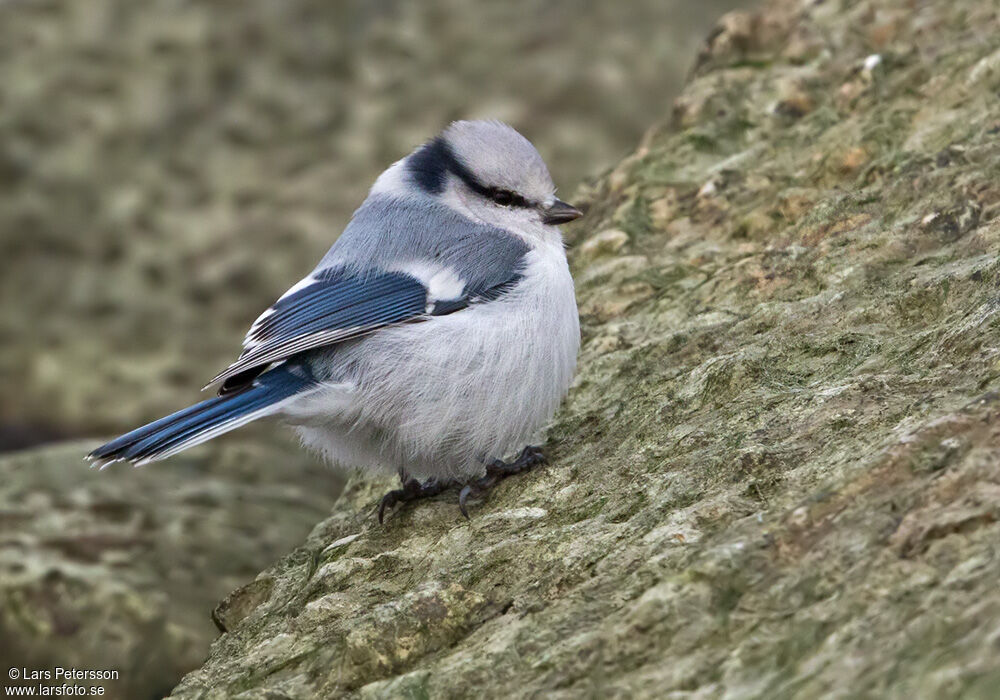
x=526 y=223
x=460 y=199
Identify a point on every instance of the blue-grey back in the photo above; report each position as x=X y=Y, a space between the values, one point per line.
x=386 y=232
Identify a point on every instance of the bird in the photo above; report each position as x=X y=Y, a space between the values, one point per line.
x=434 y=340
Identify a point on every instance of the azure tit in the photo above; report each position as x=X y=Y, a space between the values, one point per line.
x=434 y=339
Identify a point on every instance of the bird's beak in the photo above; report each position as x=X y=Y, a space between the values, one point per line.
x=559 y=212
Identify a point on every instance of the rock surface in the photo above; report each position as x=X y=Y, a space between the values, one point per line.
x=778 y=472
x=121 y=569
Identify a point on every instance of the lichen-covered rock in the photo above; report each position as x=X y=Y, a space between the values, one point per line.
x=778 y=472
x=120 y=569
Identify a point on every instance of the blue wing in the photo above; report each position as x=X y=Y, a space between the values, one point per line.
x=335 y=305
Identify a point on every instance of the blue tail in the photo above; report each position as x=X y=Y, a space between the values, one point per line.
x=207 y=419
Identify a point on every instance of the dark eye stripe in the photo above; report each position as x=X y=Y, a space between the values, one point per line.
x=507 y=198
x=429 y=167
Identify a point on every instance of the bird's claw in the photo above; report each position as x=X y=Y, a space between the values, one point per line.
x=496 y=471
x=463 y=496
x=530 y=457
x=411 y=491
x=388 y=501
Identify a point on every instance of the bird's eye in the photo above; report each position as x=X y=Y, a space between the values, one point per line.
x=503 y=197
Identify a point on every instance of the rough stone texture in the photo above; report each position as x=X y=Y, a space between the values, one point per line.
x=120 y=569
x=169 y=168
x=778 y=473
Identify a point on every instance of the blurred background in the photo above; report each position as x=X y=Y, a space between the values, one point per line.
x=167 y=169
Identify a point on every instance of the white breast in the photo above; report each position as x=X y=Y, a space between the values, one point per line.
x=441 y=397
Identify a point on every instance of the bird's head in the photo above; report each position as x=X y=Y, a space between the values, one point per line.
x=489 y=172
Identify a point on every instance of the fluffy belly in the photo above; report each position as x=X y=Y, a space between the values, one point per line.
x=442 y=397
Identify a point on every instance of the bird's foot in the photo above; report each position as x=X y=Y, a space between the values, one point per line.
x=412 y=490
x=497 y=471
